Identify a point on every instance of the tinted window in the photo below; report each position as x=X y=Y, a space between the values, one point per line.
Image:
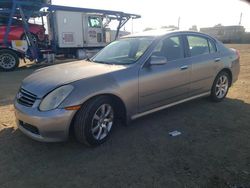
x=212 y=46
x=197 y=45
x=170 y=48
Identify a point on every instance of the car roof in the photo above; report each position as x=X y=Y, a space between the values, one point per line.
x=151 y=33
x=162 y=32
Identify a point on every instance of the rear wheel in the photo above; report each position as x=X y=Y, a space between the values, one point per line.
x=9 y=60
x=220 y=86
x=94 y=121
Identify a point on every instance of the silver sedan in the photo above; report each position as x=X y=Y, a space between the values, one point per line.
x=132 y=77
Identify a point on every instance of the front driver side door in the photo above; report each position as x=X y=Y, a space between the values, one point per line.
x=163 y=84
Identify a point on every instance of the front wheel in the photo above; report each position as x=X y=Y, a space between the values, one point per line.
x=220 y=87
x=94 y=121
x=9 y=60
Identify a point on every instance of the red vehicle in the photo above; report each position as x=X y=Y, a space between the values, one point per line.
x=9 y=59
x=17 y=31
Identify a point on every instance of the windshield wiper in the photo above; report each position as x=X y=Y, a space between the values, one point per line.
x=88 y=59
x=103 y=62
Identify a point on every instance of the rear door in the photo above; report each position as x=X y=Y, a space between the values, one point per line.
x=202 y=54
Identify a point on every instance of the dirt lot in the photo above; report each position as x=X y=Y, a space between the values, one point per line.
x=213 y=150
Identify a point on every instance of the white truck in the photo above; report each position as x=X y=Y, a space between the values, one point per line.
x=83 y=32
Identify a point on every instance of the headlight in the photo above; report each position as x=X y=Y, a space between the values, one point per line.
x=55 y=98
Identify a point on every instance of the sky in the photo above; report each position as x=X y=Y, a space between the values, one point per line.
x=157 y=13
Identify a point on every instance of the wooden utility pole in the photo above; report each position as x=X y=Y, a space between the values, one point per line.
x=240 y=18
x=179 y=21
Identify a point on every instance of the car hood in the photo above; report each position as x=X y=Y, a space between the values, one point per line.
x=46 y=79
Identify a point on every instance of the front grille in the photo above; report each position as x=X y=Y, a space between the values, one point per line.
x=26 y=98
x=29 y=127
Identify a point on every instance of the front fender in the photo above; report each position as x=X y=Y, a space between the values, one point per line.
x=88 y=88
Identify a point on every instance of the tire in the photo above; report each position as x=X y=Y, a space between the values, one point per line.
x=220 y=87
x=9 y=60
x=90 y=126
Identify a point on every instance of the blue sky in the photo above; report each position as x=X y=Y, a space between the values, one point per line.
x=158 y=13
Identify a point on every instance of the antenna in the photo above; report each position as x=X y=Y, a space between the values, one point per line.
x=240 y=18
x=179 y=20
x=132 y=25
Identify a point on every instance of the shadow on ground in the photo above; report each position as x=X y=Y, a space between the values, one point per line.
x=212 y=151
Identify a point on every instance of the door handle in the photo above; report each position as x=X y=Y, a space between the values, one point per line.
x=184 y=67
x=217 y=59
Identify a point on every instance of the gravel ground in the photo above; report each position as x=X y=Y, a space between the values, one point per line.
x=212 y=151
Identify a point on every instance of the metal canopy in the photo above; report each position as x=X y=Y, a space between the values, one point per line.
x=88 y=10
x=35 y=6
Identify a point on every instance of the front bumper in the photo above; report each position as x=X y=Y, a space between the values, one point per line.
x=50 y=126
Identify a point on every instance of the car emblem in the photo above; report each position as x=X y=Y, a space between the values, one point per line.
x=19 y=95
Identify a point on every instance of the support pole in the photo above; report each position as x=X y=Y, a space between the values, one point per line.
x=31 y=44
x=118 y=28
x=13 y=10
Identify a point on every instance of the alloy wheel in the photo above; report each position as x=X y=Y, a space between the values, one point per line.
x=221 y=86
x=7 y=61
x=102 y=121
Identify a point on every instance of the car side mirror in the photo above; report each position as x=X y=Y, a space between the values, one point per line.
x=158 y=60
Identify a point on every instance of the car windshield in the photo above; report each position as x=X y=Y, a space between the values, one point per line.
x=124 y=51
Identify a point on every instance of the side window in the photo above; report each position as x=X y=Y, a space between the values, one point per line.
x=198 y=45
x=170 y=48
x=212 y=46
x=95 y=22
